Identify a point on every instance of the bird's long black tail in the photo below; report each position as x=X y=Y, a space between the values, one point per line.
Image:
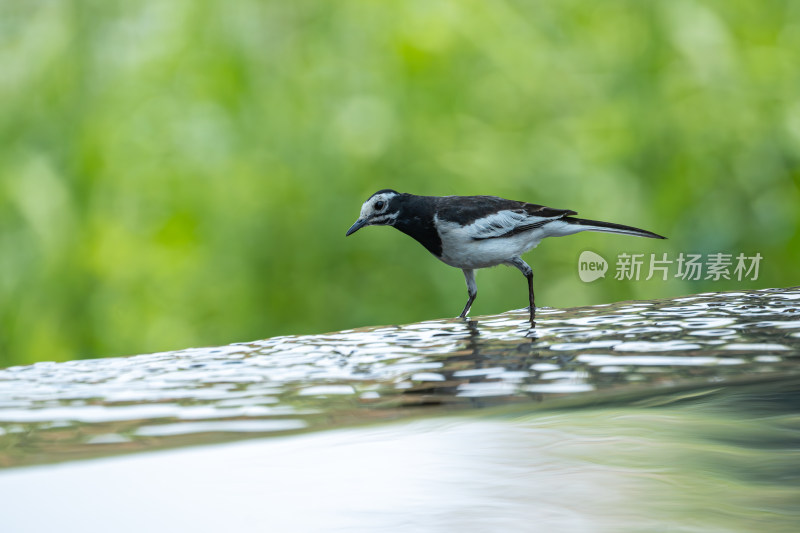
x=609 y=227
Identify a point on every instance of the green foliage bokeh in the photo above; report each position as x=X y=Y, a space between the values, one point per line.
x=182 y=173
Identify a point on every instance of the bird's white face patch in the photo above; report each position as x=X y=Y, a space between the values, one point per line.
x=376 y=210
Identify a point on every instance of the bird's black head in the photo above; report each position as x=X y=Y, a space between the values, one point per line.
x=378 y=210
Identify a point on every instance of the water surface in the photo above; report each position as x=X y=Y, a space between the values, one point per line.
x=574 y=357
x=671 y=415
x=716 y=459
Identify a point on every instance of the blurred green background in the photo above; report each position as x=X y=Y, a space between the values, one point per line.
x=182 y=173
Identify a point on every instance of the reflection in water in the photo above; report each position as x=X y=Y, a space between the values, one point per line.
x=582 y=356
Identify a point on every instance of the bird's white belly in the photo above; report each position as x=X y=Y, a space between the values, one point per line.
x=461 y=250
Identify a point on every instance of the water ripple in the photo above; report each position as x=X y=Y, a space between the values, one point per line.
x=293 y=383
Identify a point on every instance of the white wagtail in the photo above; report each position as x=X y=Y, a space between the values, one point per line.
x=471 y=232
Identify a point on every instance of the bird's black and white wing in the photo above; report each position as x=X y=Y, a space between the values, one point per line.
x=505 y=224
x=489 y=217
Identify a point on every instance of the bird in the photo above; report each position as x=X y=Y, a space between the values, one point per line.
x=474 y=232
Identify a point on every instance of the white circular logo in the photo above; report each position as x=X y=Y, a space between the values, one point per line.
x=591 y=266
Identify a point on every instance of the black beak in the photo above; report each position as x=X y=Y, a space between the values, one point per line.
x=360 y=223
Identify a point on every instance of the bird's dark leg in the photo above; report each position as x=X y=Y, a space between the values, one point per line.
x=472 y=289
x=527 y=271
x=531 y=298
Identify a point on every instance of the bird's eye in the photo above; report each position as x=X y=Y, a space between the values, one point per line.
x=379 y=205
